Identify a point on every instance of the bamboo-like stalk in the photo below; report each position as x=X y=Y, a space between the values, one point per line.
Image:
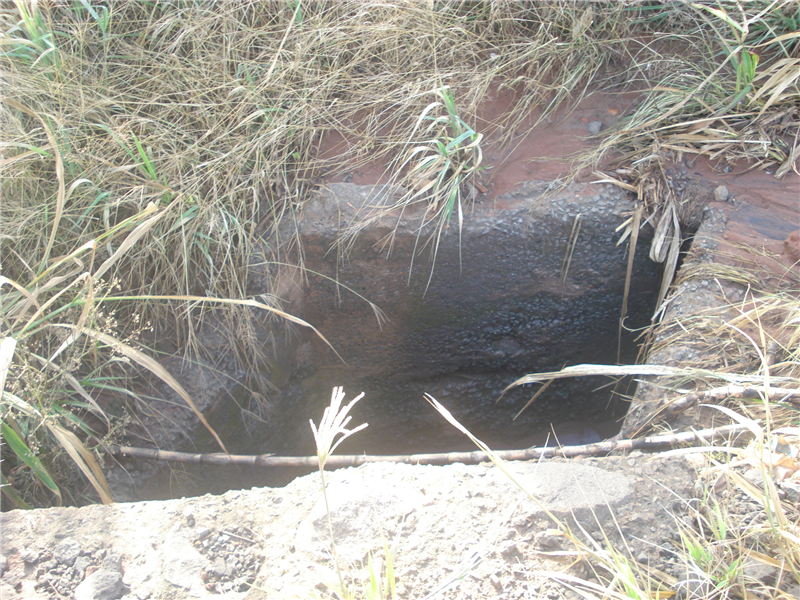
x=723 y=393
x=268 y=460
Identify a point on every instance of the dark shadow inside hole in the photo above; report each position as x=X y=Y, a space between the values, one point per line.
x=496 y=309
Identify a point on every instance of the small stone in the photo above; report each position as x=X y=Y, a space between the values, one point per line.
x=29 y=555
x=113 y=562
x=13 y=581
x=594 y=127
x=81 y=564
x=509 y=550
x=67 y=551
x=791 y=590
x=49 y=565
x=721 y=193
x=101 y=585
x=3 y=565
x=792 y=246
x=755 y=476
x=222 y=569
x=241 y=584
x=792 y=491
x=203 y=533
x=758 y=571
x=547 y=541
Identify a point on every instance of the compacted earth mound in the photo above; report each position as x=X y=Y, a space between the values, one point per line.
x=465 y=528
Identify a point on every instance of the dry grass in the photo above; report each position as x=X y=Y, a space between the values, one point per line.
x=216 y=110
x=730 y=96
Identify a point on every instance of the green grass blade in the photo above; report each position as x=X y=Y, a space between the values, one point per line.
x=24 y=453
x=148 y=165
x=457 y=141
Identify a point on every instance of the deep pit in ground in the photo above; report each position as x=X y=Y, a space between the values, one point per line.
x=502 y=302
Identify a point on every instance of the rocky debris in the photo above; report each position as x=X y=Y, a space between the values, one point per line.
x=444 y=520
x=126 y=559
x=232 y=561
x=466 y=528
x=359 y=510
x=59 y=570
x=67 y=551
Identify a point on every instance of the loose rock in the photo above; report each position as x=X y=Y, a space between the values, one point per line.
x=67 y=551
x=594 y=127
x=792 y=246
x=104 y=584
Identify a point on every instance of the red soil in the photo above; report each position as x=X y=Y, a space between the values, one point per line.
x=761 y=210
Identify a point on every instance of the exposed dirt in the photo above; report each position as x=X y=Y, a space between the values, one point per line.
x=466 y=531
x=761 y=211
x=443 y=519
x=540 y=153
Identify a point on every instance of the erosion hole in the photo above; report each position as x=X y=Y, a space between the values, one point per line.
x=501 y=303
